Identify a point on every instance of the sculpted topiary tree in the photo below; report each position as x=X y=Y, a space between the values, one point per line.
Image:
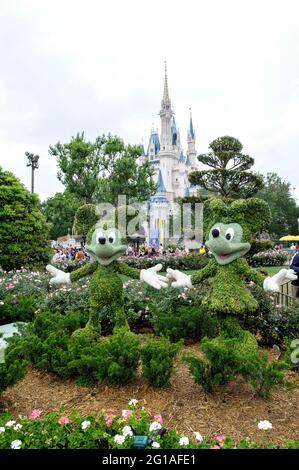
x=24 y=232
x=228 y=175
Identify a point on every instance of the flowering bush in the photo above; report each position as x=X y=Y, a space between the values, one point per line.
x=183 y=262
x=268 y=258
x=70 y=431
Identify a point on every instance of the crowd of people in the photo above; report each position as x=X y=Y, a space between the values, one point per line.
x=70 y=253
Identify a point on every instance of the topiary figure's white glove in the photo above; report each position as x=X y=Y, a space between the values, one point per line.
x=178 y=279
x=273 y=283
x=153 y=279
x=59 y=277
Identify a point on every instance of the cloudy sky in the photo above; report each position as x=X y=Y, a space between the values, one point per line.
x=98 y=66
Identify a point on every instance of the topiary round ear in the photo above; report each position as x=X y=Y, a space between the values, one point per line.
x=253 y=212
x=215 y=210
x=85 y=218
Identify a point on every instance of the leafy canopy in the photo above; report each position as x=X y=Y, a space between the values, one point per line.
x=100 y=171
x=24 y=232
x=228 y=175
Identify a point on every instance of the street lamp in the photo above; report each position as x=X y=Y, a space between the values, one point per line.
x=33 y=162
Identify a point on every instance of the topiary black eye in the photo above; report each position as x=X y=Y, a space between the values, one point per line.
x=111 y=239
x=215 y=232
x=102 y=240
x=228 y=236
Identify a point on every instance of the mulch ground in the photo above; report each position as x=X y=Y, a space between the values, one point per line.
x=234 y=410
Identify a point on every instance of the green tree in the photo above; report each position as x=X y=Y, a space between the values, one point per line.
x=60 y=211
x=285 y=212
x=24 y=232
x=228 y=175
x=99 y=171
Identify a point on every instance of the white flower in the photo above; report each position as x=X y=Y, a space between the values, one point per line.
x=133 y=402
x=127 y=431
x=119 y=439
x=184 y=441
x=17 y=427
x=198 y=436
x=264 y=425
x=155 y=426
x=156 y=445
x=16 y=444
x=11 y=423
x=2 y=429
x=85 y=425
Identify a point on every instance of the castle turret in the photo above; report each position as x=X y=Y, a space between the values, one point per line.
x=191 y=151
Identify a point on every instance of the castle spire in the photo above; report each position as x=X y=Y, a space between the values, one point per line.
x=191 y=132
x=166 y=99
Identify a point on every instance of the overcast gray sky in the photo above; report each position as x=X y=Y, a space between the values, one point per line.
x=98 y=66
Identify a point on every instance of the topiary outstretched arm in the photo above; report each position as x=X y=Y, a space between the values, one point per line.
x=179 y=279
x=123 y=268
x=89 y=268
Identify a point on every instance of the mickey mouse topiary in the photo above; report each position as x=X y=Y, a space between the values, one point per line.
x=105 y=244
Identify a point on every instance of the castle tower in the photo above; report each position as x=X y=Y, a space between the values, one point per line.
x=168 y=141
x=191 y=151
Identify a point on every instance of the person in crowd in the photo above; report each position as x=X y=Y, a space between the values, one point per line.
x=294 y=264
x=202 y=250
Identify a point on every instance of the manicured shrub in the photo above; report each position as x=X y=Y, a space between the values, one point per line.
x=233 y=353
x=17 y=308
x=185 y=323
x=14 y=368
x=158 y=357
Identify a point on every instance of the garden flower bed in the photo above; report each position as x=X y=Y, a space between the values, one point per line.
x=233 y=411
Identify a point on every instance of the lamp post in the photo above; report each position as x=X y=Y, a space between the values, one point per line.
x=33 y=162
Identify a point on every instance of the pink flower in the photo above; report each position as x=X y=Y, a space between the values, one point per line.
x=109 y=419
x=221 y=438
x=10 y=286
x=63 y=420
x=158 y=418
x=215 y=447
x=35 y=414
x=126 y=414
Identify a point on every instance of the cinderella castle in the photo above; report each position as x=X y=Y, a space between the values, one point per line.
x=171 y=166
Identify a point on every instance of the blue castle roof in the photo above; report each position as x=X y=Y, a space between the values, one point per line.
x=188 y=161
x=154 y=138
x=161 y=187
x=182 y=158
x=191 y=129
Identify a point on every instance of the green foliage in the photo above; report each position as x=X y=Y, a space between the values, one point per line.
x=189 y=322
x=260 y=245
x=285 y=212
x=273 y=324
x=60 y=211
x=183 y=263
x=121 y=357
x=24 y=233
x=17 y=308
x=102 y=170
x=158 y=358
x=234 y=353
x=85 y=218
x=228 y=175
x=14 y=368
x=252 y=214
